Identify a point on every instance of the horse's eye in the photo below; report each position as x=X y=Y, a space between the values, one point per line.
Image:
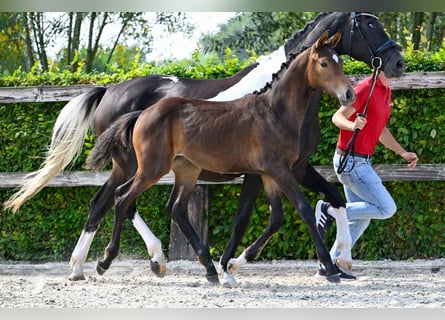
x=371 y=25
x=323 y=64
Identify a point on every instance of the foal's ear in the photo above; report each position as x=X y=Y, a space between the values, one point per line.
x=322 y=40
x=335 y=39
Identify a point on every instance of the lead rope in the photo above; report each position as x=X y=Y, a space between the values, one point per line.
x=376 y=64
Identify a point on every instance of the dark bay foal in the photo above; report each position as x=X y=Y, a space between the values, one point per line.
x=265 y=133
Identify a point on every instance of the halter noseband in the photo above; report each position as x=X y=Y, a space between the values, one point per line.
x=373 y=51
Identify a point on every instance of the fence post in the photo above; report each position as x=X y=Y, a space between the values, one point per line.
x=198 y=210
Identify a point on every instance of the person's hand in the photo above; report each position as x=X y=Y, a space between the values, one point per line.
x=359 y=123
x=412 y=158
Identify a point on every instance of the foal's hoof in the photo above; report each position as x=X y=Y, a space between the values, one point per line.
x=158 y=269
x=100 y=268
x=212 y=278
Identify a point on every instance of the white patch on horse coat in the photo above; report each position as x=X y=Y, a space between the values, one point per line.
x=255 y=79
x=172 y=89
x=335 y=58
x=172 y=78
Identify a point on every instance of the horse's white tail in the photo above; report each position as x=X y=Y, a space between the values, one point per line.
x=67 y=140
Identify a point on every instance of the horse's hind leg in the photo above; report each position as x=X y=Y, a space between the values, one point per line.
x=101 y=203
x=186 y=175
x=273 y=194
x=154 y=245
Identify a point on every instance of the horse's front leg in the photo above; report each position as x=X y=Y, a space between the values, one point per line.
x=289 y=185
x=249 y=193
x=314 y=181
x=273 y=194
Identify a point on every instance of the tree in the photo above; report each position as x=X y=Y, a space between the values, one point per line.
x=11 y=43
x=417 y=29
x=260 y=32
x=32 y=33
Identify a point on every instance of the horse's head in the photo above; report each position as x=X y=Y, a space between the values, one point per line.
x=325 y=69
x=365 y=39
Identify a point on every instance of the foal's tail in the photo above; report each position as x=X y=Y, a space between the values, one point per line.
x=67 y=140
x=117 y=139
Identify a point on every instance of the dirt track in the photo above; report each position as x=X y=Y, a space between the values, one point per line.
x=283 y=284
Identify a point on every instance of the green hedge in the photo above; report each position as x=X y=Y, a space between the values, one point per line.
x=48 y=225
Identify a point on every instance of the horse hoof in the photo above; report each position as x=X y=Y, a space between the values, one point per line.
x=335 y=278
x=74 y=277
x=100 y=269
x=344 y=264
x=212 y=278
x=158 y=269
x=229 y=281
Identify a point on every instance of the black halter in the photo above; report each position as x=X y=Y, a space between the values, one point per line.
x=373 y=51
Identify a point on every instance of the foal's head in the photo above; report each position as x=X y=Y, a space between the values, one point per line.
x=325 y=69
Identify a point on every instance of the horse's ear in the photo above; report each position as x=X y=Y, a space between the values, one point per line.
x=322 y=40
x=335 y=39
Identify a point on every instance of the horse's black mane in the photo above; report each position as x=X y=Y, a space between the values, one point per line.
x=309 y=26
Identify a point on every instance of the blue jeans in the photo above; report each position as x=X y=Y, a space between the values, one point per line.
x=366 y=197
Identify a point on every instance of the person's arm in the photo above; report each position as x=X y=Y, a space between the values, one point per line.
x=388 y=140
x=341 y=119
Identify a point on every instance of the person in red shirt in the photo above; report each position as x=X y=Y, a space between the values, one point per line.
x=366 y=196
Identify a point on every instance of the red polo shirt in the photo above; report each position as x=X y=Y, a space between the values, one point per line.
x=377 y=116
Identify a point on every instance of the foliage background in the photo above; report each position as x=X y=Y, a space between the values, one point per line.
x=48 y=225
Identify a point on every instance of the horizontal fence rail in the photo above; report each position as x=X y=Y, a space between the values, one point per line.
x=387 y=172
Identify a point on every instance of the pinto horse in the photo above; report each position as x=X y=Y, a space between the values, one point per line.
x=265 y=133
x=363 y=39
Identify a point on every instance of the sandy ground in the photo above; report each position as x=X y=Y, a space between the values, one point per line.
x=279 y=284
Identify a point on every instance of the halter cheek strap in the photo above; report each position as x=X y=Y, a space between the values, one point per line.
x=373 y=51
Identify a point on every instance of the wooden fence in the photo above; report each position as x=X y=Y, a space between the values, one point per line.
x=198 y=206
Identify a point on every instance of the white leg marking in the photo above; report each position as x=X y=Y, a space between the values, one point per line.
x=343 y=237
x=236 y=263
x=79 y=255
x=154 y=245
x=233 y=266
